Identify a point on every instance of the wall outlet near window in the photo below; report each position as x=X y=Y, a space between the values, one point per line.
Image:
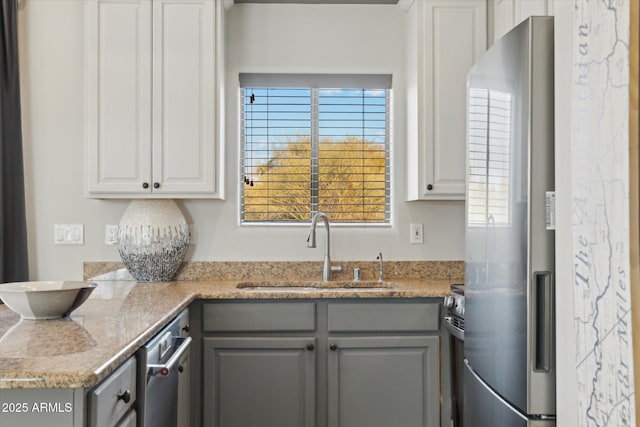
x=417 y=234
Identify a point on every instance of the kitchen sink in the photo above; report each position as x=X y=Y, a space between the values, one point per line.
x=297 y=286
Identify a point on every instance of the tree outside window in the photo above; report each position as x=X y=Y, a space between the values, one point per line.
x=306 y=150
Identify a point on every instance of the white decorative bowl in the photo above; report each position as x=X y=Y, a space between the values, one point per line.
x=45 y=300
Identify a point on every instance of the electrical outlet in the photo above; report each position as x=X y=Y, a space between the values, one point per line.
x=417 y=233
x=110 y=234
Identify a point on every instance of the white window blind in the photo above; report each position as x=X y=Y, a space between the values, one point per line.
x=310 y=143
x=489 y=157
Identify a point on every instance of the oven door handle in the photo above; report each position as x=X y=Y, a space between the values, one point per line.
x=165 y=369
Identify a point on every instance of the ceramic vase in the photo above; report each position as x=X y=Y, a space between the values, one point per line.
x=153 y=238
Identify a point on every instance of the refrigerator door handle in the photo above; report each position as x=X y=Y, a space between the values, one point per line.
x=543 y=322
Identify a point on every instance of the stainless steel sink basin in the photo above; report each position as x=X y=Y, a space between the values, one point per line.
x=309 y=286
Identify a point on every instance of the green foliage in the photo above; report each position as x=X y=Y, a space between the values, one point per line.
x=351 y=183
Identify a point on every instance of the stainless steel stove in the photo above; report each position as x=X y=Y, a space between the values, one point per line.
x=454 y=321
x=454 y=316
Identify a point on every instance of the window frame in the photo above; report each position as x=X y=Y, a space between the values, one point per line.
x=316 y=83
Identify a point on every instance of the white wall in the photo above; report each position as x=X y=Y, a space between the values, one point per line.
x=51 y=60
x=260 y=38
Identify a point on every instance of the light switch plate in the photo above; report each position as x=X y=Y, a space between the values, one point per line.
x=68 y=234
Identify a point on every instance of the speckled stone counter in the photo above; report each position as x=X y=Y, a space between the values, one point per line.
x=79 y=352
x=295 y=270
x=122 y=315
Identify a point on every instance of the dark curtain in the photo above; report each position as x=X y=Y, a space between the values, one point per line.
x=13 y=227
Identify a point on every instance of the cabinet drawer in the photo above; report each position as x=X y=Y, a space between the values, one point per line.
x=107 y=400
x=259 y=316
x=382 y=317
x=131 y=420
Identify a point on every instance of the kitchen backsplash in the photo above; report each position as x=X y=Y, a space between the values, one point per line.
x=295 y=270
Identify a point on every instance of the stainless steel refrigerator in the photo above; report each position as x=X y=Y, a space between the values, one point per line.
x=509 y=375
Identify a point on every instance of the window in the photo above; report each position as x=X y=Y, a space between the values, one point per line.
x=315 y=143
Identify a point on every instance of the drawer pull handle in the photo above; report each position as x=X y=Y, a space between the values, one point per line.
x=125 y=396
x=333 y=347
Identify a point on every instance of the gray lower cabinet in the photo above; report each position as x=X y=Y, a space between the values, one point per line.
x=324 y=363
x=383 y=381
x=184 y=390
x=42 y=407
x=114 y=397
x=111 y=403
x=267 y=381
x=131 y=420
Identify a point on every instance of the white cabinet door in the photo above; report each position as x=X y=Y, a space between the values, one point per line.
x=444 y=40
x=153 y=90
x=184 y=96
x=118 y=37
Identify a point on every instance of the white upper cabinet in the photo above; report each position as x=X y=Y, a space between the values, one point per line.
x=154 y=85
x=118 y=37
x=444 y=39
x=506 y=14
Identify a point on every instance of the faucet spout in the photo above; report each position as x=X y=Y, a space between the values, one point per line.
x=311 y=243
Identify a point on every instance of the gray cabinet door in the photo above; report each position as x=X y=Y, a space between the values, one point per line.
x=184 y=390
x=259 y=382
x=383 y=381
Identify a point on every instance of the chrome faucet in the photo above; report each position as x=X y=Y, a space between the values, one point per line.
x=380 y=275
x=311 y=243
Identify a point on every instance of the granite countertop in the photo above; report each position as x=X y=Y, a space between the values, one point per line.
x=122 y=315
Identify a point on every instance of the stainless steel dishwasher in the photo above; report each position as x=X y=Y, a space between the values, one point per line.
x=163 y=376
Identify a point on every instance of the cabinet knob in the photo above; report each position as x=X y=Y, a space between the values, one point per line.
x=156 y=185
x=125 y=396
x=310 y=346
x=145 y=185
x=186 y=328
x=430 y=187
x=181 y=368
x=333 y=347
